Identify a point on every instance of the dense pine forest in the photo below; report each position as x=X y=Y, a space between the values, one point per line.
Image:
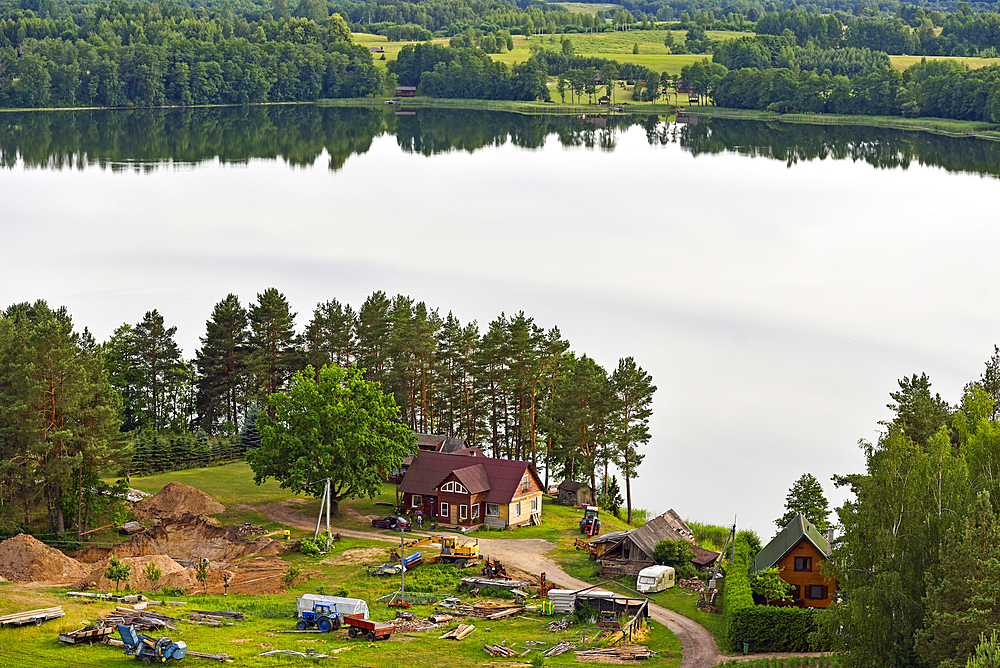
x=72 y=409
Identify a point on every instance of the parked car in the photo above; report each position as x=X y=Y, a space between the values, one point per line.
x=391 y=522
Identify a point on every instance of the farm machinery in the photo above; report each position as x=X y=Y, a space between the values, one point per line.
x=452 y=552
x=591 y=522
x=326 y=613
x=149 y=649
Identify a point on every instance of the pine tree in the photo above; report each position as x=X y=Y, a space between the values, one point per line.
x=633 y=399
x=806 y=497
x=159 y=366
x=374 y=331
x=275 y=353
x=222 y=364
x=331 y=336
x=249 y=435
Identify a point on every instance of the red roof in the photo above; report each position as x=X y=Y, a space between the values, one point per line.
x=500 y=478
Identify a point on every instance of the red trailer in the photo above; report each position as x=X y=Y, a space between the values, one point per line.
x=368 y=627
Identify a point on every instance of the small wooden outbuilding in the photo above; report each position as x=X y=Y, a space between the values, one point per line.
x=573 y=493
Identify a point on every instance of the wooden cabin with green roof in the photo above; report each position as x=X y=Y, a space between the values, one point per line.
x=799 y=551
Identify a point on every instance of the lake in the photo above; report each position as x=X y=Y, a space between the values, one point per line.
x=776 y=280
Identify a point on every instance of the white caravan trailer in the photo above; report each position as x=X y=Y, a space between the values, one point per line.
x=655 y=578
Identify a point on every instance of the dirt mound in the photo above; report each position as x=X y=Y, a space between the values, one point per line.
x=175 y=500
x=26 y=559
x=193 y=538
x=172 y=574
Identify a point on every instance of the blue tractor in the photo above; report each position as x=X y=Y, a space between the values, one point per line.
x=322 y=616
x=149 y=649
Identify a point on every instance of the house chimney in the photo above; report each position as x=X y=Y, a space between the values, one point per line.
x=829 y=541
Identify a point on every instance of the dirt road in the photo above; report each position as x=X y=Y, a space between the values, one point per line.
x=529 y=555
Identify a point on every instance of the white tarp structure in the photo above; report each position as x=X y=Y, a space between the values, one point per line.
x=344 y=606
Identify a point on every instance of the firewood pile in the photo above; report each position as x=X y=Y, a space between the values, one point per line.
x=615 y=654
x=692 y=584
x=561 y=648
x=559 y=624
x=414 y=624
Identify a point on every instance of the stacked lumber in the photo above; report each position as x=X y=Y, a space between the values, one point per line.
x=480 y=583
x=32 y=616
x=141 y=619
x=561 y=648
x=563 y=600
x=458 y=632
x=619 y=653
x=505 y=613
x=87 y=635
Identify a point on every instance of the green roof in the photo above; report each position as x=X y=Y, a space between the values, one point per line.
x=786 y=541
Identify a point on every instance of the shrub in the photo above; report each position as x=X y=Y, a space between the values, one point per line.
x=772 y=629
x=309 y=547
x=737 y=594
x=152 y=573
x=117 y=571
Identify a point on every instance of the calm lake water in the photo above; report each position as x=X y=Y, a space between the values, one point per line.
x=776 y=280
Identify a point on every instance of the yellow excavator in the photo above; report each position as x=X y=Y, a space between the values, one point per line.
x=452 y=552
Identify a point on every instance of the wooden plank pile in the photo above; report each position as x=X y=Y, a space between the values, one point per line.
x=142 y=619
x=616 y=654
x=561 y=648
x=221 y=658
x=481 y=583
x=502 y=650
x=559 y=624
x=459 y=632
x=31 y=616
x=88 y=635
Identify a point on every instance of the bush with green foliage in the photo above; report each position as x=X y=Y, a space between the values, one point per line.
x=737 y=594
x=768 y=585
x=117 y=571
x=770 y=628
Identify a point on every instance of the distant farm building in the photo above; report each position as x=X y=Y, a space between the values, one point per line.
x=376 y=49
x=625 y=553
x=406 y=91
x=573 y=493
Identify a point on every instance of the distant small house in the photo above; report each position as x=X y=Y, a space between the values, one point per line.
x=376 y=49
x=627 y=552
x=573 y=493
x=604 y=99
x=466 y=489
x=799 y=551
x=439 y=443
x=406 y=91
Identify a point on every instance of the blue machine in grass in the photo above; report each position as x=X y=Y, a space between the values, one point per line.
x=326 y=613
x=149 y=649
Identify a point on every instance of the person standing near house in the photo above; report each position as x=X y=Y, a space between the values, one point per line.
x=420 y=519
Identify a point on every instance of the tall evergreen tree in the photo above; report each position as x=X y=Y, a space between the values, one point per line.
x=583 y=415
x=374 y=331
x=159 y=366
x=275 y=352
x=633 y=400
x=806 y=497
x=222 y=364
x=331 y=335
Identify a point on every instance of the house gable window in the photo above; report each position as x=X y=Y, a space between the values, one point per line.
x=492 y=510
x=456 y=487
x=803 y=563
x=417 y=501
x=444 y=509
x=524 y=483
x=463 y=513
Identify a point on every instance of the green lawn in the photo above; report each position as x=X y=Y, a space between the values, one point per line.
x=902 y=62
x=229 y=483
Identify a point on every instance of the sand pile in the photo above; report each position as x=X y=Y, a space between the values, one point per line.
x=172 y=574
x=177 y=499
x=193 y=538
x=26 y=559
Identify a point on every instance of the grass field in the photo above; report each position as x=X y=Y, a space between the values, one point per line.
x=586 y=7
x=230 y=483
x=902 y=62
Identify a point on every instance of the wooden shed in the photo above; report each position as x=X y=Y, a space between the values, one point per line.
x=573 y=493
x=625 y=553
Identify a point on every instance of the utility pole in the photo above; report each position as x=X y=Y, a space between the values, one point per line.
x=402 y=564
